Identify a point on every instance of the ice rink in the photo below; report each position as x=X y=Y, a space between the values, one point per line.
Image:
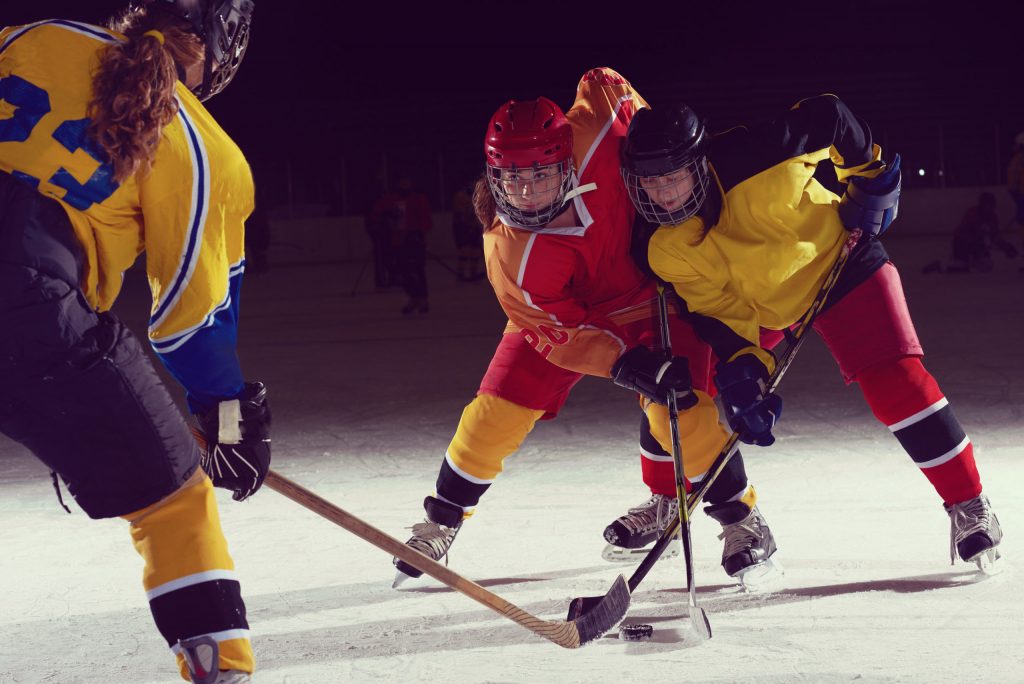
x=364 y=403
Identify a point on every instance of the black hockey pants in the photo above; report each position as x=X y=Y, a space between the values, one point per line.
x=76 y=387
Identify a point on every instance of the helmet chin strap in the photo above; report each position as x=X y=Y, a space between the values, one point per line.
x=575 y=192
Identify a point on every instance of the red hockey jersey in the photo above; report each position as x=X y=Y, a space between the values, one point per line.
x=569 y=290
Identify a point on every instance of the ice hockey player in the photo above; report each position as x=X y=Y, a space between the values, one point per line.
x=973 y=240
x=107 y=151
x=748 y=235
x=557 y=248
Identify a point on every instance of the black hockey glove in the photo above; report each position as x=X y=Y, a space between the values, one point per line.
x=236 y=441
x=871 y=203
x=751 y=410
x=654 y=375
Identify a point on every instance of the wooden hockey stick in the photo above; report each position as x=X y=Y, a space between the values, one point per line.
x=606 y=614
x=580 y=605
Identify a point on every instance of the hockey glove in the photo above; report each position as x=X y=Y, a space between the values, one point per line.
x=653 y=376
x=752 y=410
x=236 y=441
x=871 y=203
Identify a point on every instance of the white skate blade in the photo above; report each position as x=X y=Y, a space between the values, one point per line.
x=400 y=579
x=762 y=576
x=990 y=562
x=617 y=554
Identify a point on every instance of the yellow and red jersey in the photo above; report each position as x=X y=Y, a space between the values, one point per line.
x=774 y=228
x=569 y=290
x=187 y=213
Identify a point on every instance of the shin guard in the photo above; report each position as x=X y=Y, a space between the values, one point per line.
x=491 y=428
x=904 y=396
x=189 y=576
x=701 y=438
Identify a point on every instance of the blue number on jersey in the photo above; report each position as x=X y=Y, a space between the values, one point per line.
x=101 y=185
x=31 y=103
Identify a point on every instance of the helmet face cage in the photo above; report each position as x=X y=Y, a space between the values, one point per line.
x=530 y=196
x=223 y=26
x=227 y=38
x=672 y=197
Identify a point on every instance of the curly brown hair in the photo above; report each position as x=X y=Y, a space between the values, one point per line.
x=133 y=89
x=483 y=203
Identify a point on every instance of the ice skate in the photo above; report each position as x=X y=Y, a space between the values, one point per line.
x=630 y=535
x=975 y=534
x=432 y=537
x=201 y=658
x=749 y=545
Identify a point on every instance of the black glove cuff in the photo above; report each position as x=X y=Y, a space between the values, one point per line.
x=638 y=370
x=235 y=420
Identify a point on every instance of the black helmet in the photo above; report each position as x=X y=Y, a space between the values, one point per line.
x=223 y=26
x=665 y=155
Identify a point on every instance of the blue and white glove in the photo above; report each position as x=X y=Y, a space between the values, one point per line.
x=871 y=203
x=752 y=411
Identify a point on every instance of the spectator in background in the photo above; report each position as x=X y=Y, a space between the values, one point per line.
x=1015 y=181
x=973 y=239
x=380 y=225
x=469 y=235
x=407 y=212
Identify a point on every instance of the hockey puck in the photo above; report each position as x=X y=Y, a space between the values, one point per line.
x=636 y=632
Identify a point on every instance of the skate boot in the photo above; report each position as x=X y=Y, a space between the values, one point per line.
x=432 y=537
x=749 y=544
x=201 y=659
x=975 y=533
x=640 y=527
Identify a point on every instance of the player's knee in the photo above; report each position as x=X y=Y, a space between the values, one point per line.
x=490 y=429
x=701 y=434
x=898 y=387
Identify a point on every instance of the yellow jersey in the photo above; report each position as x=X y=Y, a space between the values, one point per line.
x=187 y=213
x=762 y=246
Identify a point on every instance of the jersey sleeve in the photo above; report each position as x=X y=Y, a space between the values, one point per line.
x=825 y=122
x=194 y=261
x=804 y=132
x=605 y=104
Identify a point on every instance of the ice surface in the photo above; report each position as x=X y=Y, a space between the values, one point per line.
x=365 y=402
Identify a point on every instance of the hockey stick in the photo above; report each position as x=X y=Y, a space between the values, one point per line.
x=698 y=617
x=608 y=612
x=359 y=278
x=579 y=606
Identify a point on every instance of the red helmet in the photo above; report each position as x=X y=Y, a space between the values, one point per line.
x=528 y=133
x=529 y=160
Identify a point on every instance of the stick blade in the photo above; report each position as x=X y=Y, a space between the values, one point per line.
x=606 y=614
x=700 y=622
x=581 y=605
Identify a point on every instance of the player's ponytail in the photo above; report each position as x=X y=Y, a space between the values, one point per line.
x=483 y=203
x=133 y=94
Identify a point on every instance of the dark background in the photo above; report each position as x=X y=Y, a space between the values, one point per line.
x=337 y=98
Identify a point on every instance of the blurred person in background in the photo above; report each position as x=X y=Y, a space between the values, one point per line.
x=469 y=236
x=405 y=216
x=973 y=240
